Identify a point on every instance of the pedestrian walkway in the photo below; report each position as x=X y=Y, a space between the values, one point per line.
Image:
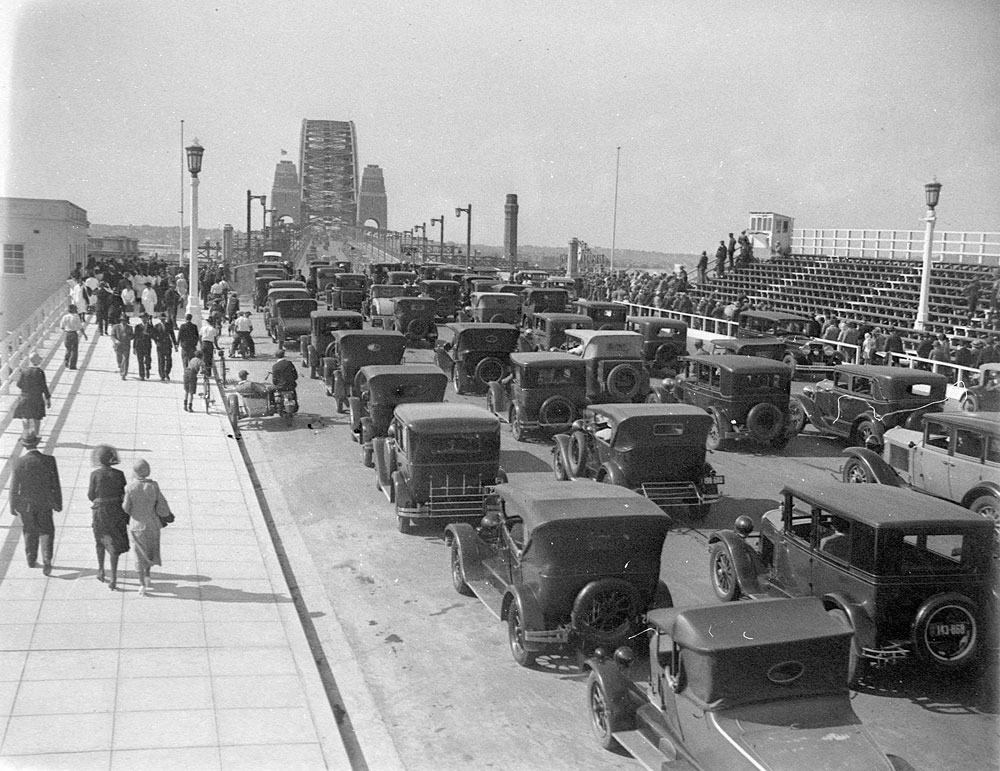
x=212 y=670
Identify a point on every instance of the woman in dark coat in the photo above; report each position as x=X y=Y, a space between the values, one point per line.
x=35 y=396
x=110 y=523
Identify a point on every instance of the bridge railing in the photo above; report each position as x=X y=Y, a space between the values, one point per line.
x=29 y=336
x=948 y=246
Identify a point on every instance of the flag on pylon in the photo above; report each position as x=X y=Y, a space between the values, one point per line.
x=284 y=152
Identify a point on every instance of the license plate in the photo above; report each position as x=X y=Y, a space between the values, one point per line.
x=947 y=630
x=718 y=479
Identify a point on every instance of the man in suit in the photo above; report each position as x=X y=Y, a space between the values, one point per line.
x=34 y=494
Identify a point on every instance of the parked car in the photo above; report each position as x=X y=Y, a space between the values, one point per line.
x=569 y=567
x=319 y=342
x=658 y=450
x=663 y=341
x=274 y=295
x=346 y=291
x=415 y=318
x=803 y=349
x=379 y=304
x=908 y=573
x=547 y=331
x=535 y=299
x=985 y=396
x=290 y=320
x=261 y=286
x=956 y=456
x=447 y=296
x=506 y=288
x=544 y=393
x=534 y=275
x=354 y=349
x=323 y=277
x=616 y=370
x=495 y=307
x=747 y=397
x=764 y=347
x=606 y=315
x=569 y=283
x=406 y=277
x=380 y=388
x=746 y=687
x=437 y=461
x=861 y=402
x=477 y=355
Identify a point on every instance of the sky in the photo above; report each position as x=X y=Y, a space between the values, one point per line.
x=835 y=113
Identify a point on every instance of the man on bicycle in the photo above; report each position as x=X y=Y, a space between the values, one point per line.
x=242 y=329
x=209 y=337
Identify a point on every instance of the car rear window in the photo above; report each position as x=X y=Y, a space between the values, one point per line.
x=668 y=429
x=758 y=382
x=916 y=553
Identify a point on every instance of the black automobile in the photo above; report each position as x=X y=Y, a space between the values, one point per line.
x=803 y=348
x=606 y=315
x=354 y=349
x=547 y=331
x=544 y=393
x=477 y=355
x=319 y=342
x=663 y=341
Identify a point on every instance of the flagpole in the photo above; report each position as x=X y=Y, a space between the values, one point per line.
x=614 y=222
x=180 y=235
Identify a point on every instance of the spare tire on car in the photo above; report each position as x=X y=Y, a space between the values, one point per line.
x=624 y=382
x=605 y=610
x=765 y=422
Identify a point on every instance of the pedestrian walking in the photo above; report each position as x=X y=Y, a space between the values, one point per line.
x=191 y=371
x=148 y=512
x=149 y=299
x=166 y=343
x=34 y=494
x=209 y=336
x=128 y=299
x=171 y=303
x=142 y=344
x=102 y=307
x=121 y=339
x=73 y=326
x=894 y=345
x=110 y=522
x=78 y=296
x=868 y=349
x=35 y=397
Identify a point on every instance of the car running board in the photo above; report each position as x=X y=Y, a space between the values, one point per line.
x=650 y=757
x=487 y=594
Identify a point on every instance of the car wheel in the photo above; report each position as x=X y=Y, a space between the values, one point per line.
x=946 y=632
x=604 y=610
x=989 y=506
x=714 y=438
x=765 y=423
x=605 y=719
x=857 y=472
x=855 y=664
x=970 y=403
x=797 y=415
x=865 y=433
x=417 y=328
x=623 y=382
x=578 y=454
x=664 y=357
x=724 y=581
x=515 y=637
x=458 y=572
x=789 y=361
x=516 y=426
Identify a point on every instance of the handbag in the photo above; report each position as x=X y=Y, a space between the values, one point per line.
x=169 y=516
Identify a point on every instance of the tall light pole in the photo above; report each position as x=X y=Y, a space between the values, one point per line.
x=932 y=192
x=439 y=221
x=614 y=218
x=194 y=154
x=468 y=231
x=423 y=240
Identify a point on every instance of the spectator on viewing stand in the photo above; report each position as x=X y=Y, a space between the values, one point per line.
x=894 y=344
x=989 y=353
x=720 y=260
x=703 y=268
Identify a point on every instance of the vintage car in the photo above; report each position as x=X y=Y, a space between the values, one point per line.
x=281 y=293
x=447 y=296
x=803 y=348
x=353 y=349
x=570 y=284
x=261 y=285
x=377 y=271
x=536 y=300
x=764 y=347
x=322 y=326
x=346 y=291
x=379 y=304
x=380 y=388
x=569 y=567
x=477 y=355
x=747 y=687
x=536 y=277
x=616 y=370
x=290 y=319
x=415 y=318
x=658 y=450
x=325 y=275
x=345 y=266
x=405 y=277
x=606 y=315
x=747 y=397
x=495 y=307
x=544 y=393
x=474 y=282
x=438 y=461
x=985 y=396
x=547 y=331
x=663 y=341
x=861 y=402
x=499 y=286
x=910 y=574
x=956 y=456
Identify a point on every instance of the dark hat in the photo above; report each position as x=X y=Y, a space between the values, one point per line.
x=31 y=440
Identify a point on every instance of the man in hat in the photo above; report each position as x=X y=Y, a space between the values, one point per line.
x=988 y=354
x=121 y=338
x=703 y=268
x=165 y=341
x=34 y=494
x=187 y=339
x=142 y=344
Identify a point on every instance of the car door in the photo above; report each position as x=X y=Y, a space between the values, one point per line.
x=932 y=465
x=698 y=385
x=968 y=458
x=793 y=553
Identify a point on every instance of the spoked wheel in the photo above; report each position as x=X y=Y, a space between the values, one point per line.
x=516 y=426
x=714 y=438
x=458 y=572
x=515 y=638
x=857 y=473
x=724 y=581
x=989 y=506
x=604 y=718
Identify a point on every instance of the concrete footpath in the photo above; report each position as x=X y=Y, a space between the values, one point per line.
x=212 y=669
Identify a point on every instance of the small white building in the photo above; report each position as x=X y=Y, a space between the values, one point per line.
x=769 y=233
x=43 y=241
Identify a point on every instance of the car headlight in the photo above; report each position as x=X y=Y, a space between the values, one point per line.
x=829 y=350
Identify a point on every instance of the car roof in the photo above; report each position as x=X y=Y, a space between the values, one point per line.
x=463 y=326
x=587 y=335
x=357 y=333
x=747 y=342
x=352 y=275
x=378 y=371
x=447 y=418
x=334 y=314
x=657 y=321
x=775 y=315
x=736 y=363
x=552 y=358
x=619 y=413
x=568 y=317
x=598 y=303
x=885 y=506
x=899 y=374
x=987 y=422
x=275 y=291
x=546 y=500
x=711 y=628
x=481 y=295
x=439 y=281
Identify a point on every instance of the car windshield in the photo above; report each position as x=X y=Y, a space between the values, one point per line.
x=931 y=552
x=351 y=283
x=791 y=327
x=759 y=382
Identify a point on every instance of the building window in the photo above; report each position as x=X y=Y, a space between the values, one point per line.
x=13 y=259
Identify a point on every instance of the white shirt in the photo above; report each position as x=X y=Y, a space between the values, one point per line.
x=243 y=324
x=209 y=334
x=71 y=323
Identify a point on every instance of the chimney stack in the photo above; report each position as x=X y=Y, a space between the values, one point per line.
x=510 y=230
x=572 y=262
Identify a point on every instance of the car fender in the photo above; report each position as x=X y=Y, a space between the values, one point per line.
x=746 y=561
x=981 y=488
x=613 y=474
x=884 y=473
x=864 y=627
x=618 y=688
x=498 y=398
x=531 y=615
x=663 y=395
x=809 y=408
x=384 y=465
x=561 y=447
x=470 y=549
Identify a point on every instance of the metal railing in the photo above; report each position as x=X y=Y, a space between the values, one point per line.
x=948 y=246
x=29 y=336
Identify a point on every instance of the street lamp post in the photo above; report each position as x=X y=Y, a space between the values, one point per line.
x=468 y=230
x=194 y=155
x=932 y=191
x=423 y=240
x=439 y=221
